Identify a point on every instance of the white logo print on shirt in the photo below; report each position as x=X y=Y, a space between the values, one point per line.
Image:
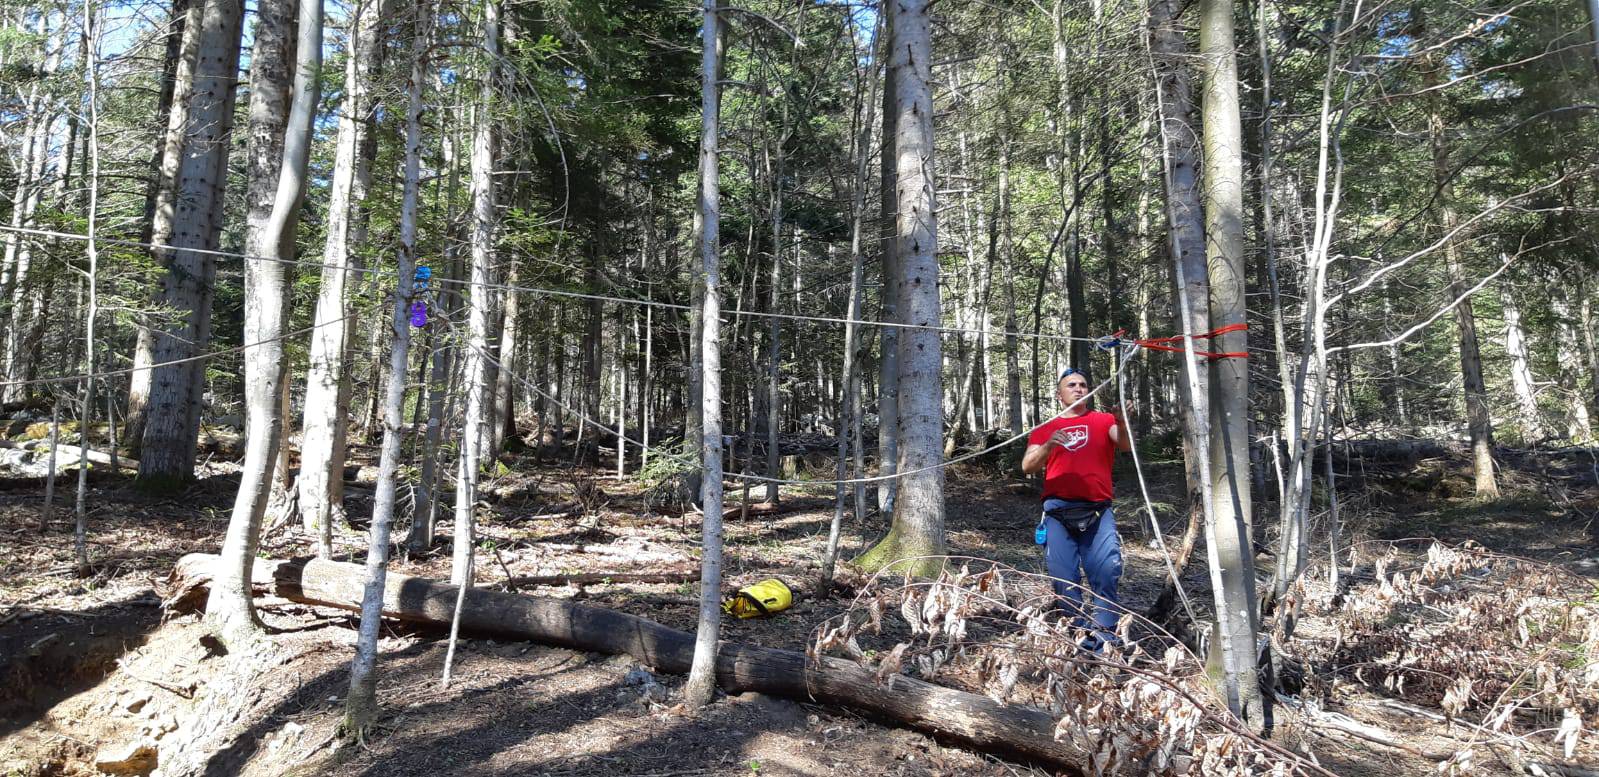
x=1076 y=437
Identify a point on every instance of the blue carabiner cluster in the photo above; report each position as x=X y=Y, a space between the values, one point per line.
x=1108 y=343
x=420 y=284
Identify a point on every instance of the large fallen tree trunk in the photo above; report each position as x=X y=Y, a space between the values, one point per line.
x=72 y=454
x=956 y=715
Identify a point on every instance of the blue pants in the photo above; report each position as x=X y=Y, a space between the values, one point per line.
x=1097 y=552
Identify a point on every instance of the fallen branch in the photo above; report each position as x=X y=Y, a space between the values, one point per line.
x=965 y=717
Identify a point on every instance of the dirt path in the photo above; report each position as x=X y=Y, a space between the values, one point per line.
x=90 y=668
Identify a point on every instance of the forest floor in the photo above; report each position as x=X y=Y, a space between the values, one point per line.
x=94 y=679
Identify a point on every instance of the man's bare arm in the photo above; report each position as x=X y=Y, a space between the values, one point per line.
x=1035 y=458
x=1118 y=433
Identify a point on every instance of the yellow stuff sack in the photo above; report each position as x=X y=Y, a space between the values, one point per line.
x=763 y=598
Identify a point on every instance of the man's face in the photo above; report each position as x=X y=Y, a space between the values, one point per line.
x=1072 y=388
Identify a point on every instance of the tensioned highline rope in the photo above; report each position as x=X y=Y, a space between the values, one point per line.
x=170 y=362
x=557 y=292
x=1149 y=509
x=1132 y=350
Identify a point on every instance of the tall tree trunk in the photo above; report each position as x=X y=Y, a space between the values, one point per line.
x=1229 y=539
x=327 y=378
x=1013 y=368
x=1521 y=380
x=1570 y=326
x=1478 y=420
x=888 y=336
x=1185 y=220
x=849 y=408
x=503 y=423
x=484 y=221
x=362 y=702
x=184 y=12
x=191 y=214
x=89 y=51
x=702 y=672
x=280 y=143
x=20 y=298
x=917 y=531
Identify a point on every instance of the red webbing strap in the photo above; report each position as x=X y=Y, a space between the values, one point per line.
x=1161 y=343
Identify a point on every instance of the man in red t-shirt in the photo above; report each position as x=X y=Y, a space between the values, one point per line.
x=1075 y=451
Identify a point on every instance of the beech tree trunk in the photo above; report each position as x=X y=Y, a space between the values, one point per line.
x=974 y=719
x=917 y=530
x=189 y=216
x=1521 y=380
x=327 y=378
x=280 y=143
x=1229 y=538
x=485 y=219
x=362 y=701
x=702 y=672
x=1571 y=327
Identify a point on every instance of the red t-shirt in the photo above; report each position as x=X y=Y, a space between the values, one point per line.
x=1080 y=470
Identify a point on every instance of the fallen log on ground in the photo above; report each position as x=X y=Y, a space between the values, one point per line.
x=65 y=453
x=969 y=718
x=756 y=508
x=600 y=578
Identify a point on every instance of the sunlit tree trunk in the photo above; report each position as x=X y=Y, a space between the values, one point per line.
x=183 y=13
x=702 y=672
x=1570 y=326
x=1521 y=380
x=484 y=223
x=190 y=217
x=918 y=526
x=1228 y=535
x=280 y=143
x=362 y=702
x=18 y=295
x=327 y=380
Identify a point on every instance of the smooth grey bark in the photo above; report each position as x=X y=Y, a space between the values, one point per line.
x=94 y=25
x=22 y=298
x=1570 y=326
x=917 y=531
x=1521 y=380
x=849 y=407
x=1229 y=538
x=325 y=427
x=362 y=702
x=279 y=151
x=189 y=216
x=485 y=219
x=702 y=671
